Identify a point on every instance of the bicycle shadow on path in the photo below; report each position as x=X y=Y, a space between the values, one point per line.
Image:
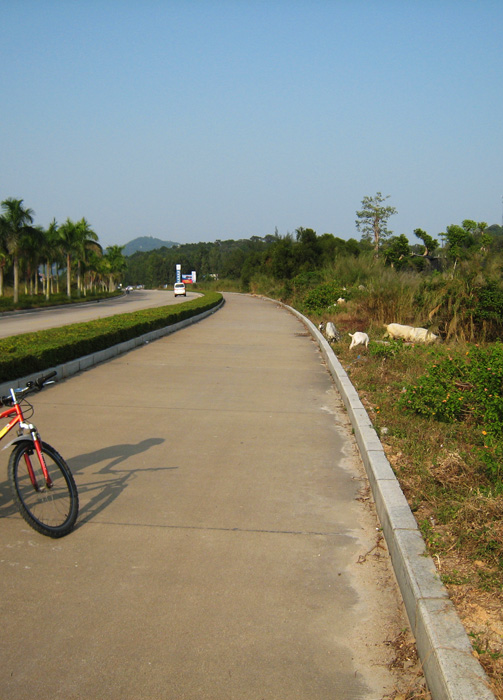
x=7 y=506
x=97 y=494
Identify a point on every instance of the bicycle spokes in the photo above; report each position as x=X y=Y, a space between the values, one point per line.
x=50 y=506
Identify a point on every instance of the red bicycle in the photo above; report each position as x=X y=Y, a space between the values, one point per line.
x=42 y=484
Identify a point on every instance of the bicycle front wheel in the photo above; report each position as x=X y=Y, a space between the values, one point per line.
x=51 y=511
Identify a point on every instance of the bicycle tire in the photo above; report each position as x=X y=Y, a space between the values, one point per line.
x=52 y=512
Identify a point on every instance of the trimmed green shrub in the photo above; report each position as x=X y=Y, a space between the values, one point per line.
x=35 y=352
x=27 y=301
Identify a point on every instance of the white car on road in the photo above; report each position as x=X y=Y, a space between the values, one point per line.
x=179 y=289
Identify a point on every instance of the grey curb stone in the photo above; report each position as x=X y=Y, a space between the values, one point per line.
x=417 y=571
x=447 y=655
x=69 y=368
x=450 y=669
x=377 y=466
x=392 y=507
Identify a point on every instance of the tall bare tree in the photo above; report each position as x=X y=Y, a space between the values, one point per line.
x=373 y=218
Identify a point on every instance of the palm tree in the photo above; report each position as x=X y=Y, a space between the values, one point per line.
x=93 y=269
x=16 y=222
x=4 y=255
x=116 y=264
x=76 y=239
x=69 y=240
x=103 y=268
x=32 y=244
x=87 y=240
x=51 y=251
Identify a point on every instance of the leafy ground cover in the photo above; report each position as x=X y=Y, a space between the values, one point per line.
x=439 y=413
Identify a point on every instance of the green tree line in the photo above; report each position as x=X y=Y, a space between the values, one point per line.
x=450 y=282
x=41 y=258
x=286 y=257
x=281 y=257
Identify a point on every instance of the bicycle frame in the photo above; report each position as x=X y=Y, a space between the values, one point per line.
x=16 y=411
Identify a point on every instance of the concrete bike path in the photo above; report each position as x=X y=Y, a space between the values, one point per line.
x=224 y=510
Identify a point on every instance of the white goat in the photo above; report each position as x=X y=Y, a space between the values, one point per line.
x=410 y=334
x=422 y=335
x=398 y=332
x=330 y=331
x=358 y=339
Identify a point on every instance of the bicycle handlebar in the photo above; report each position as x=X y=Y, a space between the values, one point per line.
x=38 y=384
x=31 y=386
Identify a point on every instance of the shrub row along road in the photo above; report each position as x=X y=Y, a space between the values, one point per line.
x=226 y=546
x=40 y=319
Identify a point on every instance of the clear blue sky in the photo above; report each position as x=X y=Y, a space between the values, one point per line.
x=196 y=120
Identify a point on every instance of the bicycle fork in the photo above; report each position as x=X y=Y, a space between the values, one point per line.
x=29 y=427
x=18 y=418
x=36 y=441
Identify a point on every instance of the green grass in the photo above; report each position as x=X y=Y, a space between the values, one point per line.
x=447 y=470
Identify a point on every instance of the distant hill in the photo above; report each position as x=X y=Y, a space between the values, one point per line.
x=146 y=243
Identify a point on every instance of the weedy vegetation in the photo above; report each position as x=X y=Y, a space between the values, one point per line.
x=438 y=410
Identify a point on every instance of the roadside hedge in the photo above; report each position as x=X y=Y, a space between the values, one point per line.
x=37 y=301
x=25 y=354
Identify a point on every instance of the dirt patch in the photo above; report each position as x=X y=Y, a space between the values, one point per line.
x=407 y=665
x=389 y=643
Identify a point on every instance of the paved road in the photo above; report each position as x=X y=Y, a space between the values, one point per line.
x=221 y=525
x=39 y=319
